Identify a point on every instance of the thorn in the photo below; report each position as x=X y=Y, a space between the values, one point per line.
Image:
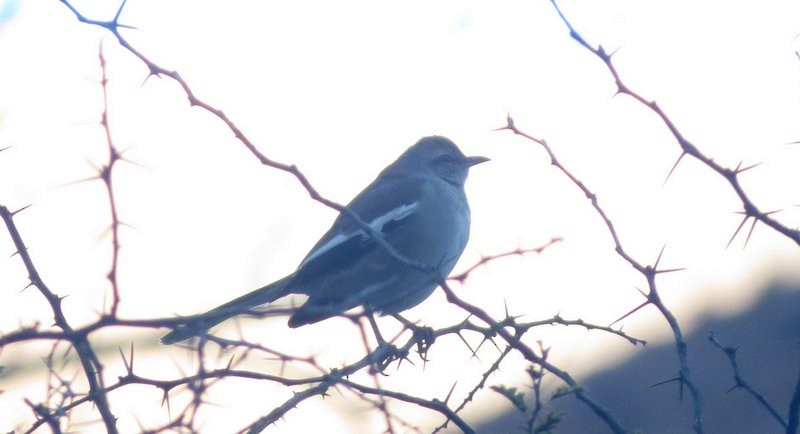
x=122 y=223
x=124 y=361
x=737 y=230
x=81 y=181
x=119 y=11
x=670 y=270
x=165 y=399
x=153 y=73
x=660 y=383
x=497 y=347
x=93 y=166
x=464 y=340
x=13 y=213
x=750 y=233
x=631 y=312
x=121 y=157
x=674 y=166
x=450 y=393
x=658 y=259
x=740 y=169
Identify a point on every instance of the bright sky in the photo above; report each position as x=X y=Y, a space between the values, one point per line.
x=340 y=89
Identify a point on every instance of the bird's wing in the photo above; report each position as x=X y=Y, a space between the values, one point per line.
x=389 y=207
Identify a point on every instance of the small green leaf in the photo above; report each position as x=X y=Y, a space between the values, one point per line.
x=561 y=391
x=516 y=398
x=550 y=423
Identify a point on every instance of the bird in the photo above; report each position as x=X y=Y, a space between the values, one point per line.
x=417 y=205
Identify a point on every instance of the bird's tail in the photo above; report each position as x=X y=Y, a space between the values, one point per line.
x=198 y=324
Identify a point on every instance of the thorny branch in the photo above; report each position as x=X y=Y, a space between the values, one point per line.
x=741 y=383
x=530 y=355
x=88 y=358
x=114 y=26
x=649 y=272
x=374 y=361
x=750 y=210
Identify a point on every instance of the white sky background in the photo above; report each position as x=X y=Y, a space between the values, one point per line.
x=341 y=89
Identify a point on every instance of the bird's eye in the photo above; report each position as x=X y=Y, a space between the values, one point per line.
x=446 y=158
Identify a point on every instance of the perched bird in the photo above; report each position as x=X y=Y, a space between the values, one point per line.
x=416 y=205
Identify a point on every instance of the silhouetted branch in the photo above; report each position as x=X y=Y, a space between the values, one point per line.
x=648 y=272
x=88 y=358
x=687 y=147
x=740 y=382
x=532 y=357
x=113 y=26
x=506 y=334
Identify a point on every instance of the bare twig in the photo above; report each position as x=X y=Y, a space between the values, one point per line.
x=740 y=382
x=105 y=175
x=649 y=272
x=433 y=404
x=687 y=147
x=114 y=27
x=88 y=358
x=531 y=356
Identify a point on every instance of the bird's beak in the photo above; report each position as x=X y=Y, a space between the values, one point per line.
x=471 y=161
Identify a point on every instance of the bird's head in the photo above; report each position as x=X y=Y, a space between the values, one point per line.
x=439 y=156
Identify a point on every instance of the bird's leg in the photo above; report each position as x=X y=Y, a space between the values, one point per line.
x=386 y=352
x=374 y=324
